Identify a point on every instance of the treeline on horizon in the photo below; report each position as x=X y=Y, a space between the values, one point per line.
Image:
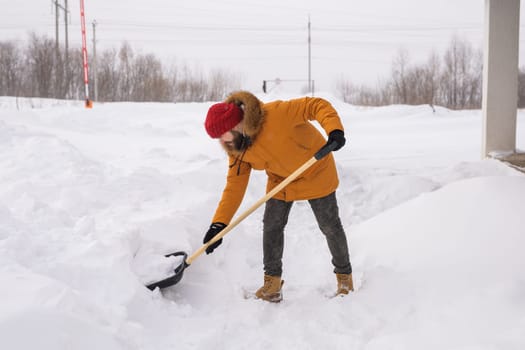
x=453 y=80
x=38 y=69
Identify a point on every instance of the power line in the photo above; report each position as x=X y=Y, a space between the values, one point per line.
x=116 y=24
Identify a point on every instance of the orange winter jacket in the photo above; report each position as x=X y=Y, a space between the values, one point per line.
x=283 y=139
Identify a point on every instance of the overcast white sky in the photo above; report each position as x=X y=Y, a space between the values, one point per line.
x=264 y=40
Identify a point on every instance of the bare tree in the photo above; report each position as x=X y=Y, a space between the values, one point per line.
x=41 y=63
x=414 y=85
x=108 y=76
x=190 y=86
x=430 y=79
x=457 y=73
x=363 y=95
x=147 y=80
x=345 y=90
x=76 y=89
x=399 y=76
x=10 y=69
x=125 y=87
x=476 y=80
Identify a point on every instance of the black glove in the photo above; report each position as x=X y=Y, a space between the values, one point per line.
x=337 y=136
x=215 y=228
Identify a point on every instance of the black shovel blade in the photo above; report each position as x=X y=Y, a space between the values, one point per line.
x=175 y=278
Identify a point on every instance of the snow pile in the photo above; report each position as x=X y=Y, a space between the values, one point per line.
x=91 y=200
x=446 y=270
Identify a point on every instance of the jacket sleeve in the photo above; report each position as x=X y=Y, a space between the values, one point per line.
x=234 y=190
x=315 y=108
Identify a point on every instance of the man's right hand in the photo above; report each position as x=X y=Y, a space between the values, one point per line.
x=214 y=230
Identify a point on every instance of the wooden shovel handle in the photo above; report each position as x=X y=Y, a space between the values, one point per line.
x=320 y=154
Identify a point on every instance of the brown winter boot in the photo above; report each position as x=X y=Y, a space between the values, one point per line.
x=271 y=290
x=344 y=283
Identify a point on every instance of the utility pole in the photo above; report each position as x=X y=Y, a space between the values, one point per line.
x=309 y=57
x=59 y=7
x=66 y=11
x=60 y=76
x=56 y=28
x=66 y=50
x=95 y=87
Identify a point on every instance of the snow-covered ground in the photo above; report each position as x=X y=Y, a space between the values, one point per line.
x=90 y=200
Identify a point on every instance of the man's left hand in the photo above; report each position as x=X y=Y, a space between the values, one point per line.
x=337 y=136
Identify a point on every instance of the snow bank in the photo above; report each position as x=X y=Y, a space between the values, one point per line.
x=90 y=201
x=446 y=270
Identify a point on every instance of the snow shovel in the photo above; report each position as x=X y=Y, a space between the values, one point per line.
x=179 y=270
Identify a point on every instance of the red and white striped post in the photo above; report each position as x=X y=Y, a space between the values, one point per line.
x=89 y=103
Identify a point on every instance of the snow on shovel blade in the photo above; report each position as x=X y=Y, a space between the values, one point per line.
x=177 y=273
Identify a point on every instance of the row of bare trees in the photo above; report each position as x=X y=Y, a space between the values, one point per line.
x=38 y=70
x=453 y=80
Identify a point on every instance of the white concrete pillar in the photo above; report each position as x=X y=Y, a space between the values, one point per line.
x=500 y=75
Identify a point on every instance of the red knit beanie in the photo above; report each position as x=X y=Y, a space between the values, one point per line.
x=222 y=117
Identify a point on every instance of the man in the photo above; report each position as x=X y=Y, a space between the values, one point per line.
x=278 y=137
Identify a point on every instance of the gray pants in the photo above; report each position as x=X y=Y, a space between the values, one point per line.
x=327 y=215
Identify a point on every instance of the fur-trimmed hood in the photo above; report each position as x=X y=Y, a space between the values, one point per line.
x=253 y=111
